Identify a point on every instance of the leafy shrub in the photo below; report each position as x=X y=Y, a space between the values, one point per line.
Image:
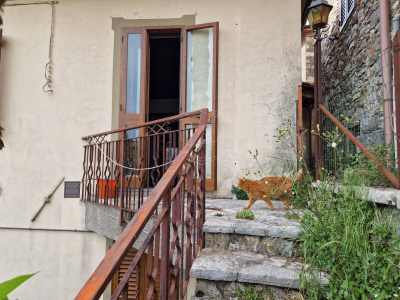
x=240 y=194
x=248 y=294
x=354 y=243
x=363 y=171
x=245 y=214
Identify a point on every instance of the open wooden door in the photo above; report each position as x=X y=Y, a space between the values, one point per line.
x=199 y=87
x=133 y=95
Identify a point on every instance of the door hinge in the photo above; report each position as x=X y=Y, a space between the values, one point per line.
x=122 y=40
x=180 y=108
x=181 y=39
x=120 y=107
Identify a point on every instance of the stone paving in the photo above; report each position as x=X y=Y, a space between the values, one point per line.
x=265 y=223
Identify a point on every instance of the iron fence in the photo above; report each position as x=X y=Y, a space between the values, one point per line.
x=174 y=210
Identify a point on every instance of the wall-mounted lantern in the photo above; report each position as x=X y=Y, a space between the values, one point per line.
x=318 y=13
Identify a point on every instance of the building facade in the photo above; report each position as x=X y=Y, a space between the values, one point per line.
x=60 y=80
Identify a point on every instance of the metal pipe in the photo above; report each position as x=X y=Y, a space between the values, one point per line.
x=396 y=69
x=300 y=132
x=386 y=63
x=396 y=23
x=317 y=101
x=45 y=229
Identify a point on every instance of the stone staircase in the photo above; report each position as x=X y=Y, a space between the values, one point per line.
x=262 y=252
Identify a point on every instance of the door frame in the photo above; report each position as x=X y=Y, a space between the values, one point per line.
x=143 y=115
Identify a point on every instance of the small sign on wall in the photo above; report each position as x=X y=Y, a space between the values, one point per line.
x=72 y=189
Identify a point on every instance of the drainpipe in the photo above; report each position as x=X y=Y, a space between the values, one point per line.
x=396 y=23
x=386 y=63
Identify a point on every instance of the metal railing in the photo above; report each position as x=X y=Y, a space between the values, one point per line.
x=360 y=98
x=121 y=172
x=174 y=211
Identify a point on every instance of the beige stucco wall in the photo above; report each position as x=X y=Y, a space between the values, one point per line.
x=259 y=71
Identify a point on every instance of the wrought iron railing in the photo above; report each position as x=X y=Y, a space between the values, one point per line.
x=121 y=167
x=174 y=212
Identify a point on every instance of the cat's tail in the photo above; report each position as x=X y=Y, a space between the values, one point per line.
x=299 y=175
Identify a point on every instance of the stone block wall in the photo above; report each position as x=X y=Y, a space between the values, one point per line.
x=352 y=70
x=307 y=55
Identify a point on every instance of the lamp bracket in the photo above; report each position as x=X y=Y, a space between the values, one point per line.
x=323 y=33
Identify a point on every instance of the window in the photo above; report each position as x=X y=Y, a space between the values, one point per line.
x=346 y=7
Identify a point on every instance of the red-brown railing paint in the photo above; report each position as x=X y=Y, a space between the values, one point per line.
x=396 y=71
x=360 y=146
x=187 y=218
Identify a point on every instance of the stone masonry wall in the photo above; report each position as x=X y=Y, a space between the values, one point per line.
x=352 y=71
x=307 y=55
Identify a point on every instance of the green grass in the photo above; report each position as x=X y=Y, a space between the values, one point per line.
x=245 y=214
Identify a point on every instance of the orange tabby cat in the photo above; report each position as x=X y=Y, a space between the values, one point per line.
x=268 y=187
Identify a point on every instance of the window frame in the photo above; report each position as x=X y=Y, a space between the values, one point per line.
x=344 y=4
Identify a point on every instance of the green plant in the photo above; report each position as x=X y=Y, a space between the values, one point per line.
x=349 y=239
x=290 y=215
x=270 y=293
x=218 y=215
x=245 y=214
x=8 y=286
x=362 y=171
x=249 y=294
x=240 y=194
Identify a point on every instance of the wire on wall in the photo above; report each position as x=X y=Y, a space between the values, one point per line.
x=49 y=66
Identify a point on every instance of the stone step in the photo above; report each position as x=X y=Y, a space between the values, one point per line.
x=213 y=290
x=225 y=232
x=220 y=273
x=247 y=267
x=255 y=244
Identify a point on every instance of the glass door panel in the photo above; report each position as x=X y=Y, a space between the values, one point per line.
x=133 y=73
x=132 y=102
x=200 y=87
x=199 y=71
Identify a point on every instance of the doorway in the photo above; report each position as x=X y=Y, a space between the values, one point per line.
x=164 y=69
x=163 y=97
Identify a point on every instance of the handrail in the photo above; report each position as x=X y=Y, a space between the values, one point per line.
x=360 y=146
x=103 y=274
x=173 y=118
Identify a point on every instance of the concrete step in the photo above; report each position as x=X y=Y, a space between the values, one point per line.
x=220 y=273
x=225 y=232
